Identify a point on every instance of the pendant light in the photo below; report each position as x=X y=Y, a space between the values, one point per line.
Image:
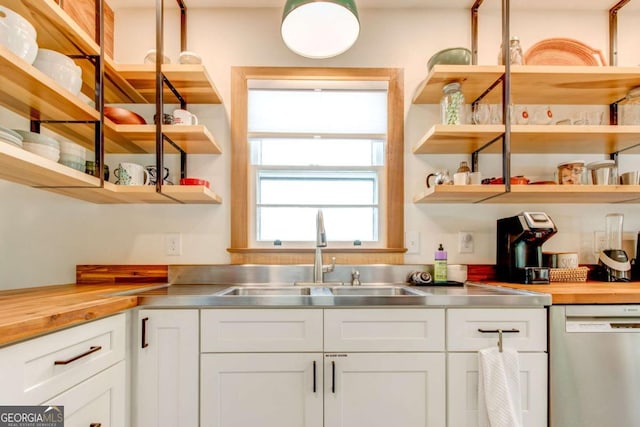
x=320 y=28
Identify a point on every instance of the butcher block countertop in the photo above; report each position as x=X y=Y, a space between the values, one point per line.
x=26 y=313
x=584 y=292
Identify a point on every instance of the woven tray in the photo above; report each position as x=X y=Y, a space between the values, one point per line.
x=578 y=274
x=561 y=51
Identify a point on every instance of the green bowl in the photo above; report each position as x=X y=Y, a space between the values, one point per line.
x=451 y=56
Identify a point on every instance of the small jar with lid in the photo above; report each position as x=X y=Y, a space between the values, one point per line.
x=516 y=57
x=452 y=104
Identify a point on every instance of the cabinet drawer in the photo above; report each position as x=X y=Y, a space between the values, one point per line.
x=38 y=369
x=261 y=330
x=100 y=400
x=384 y=330
x=463 y=326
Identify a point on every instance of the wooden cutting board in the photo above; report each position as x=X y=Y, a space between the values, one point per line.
x=84 y=13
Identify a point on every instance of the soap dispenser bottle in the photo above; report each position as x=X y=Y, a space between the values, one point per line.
x=440 y=266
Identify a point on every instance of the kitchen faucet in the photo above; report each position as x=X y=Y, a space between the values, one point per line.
x=321 y=242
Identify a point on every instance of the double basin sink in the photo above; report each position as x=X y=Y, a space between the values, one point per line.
x=319 y=290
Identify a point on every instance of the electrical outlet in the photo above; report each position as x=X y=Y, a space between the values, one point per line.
x=465 y=242
x=412 y=242
x=173 y=244
x=598 y=242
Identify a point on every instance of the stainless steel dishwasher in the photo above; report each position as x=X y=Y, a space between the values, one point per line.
x=594 y=365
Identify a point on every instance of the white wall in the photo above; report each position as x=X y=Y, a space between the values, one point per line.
x=44 y=235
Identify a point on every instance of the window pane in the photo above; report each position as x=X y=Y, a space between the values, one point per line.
x=317 y=152
x=298 y=224
x=317 y=189
x=318 y=111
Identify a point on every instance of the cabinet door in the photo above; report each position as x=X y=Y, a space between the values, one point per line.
x=266 y=390
x=384 y=389
x=166 y=386
x=463 y=389
x=100 y=400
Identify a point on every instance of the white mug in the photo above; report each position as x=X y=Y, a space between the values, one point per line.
x=131 y=174
x=475 y=178
x=461 y=178
x=568 y=260
x=183 y=117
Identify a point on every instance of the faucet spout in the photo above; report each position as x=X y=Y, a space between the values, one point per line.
x=321 y=242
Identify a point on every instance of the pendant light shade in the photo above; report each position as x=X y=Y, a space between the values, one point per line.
x=320 y=28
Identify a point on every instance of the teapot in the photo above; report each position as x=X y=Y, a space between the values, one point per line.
x=439 y=177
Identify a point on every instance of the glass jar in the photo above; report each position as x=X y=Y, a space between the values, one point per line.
x=452 y=104
x=464 y=167
x=516 y=57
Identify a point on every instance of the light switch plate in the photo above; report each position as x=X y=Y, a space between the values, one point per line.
x=412 y=242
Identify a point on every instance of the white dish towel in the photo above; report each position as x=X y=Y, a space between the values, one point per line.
x=499 y=399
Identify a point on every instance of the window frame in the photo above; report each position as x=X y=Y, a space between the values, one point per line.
x=393 y=227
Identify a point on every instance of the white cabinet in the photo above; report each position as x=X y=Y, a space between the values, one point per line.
x=98 y=401
x=166 y=369
x=469 y=330
x=265 y=367
x=384 y=389
x=261 y=389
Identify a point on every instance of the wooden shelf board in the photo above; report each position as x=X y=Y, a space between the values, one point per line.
x=23 y=167
x=192 y=194
x=191 y=139
x=191 y=80
x=530 y=139
x=27 y=91
x=458 y=193
x=453 y=139
x=475 y=80
x=538 y=84
x=570 y=194
x=533 y=84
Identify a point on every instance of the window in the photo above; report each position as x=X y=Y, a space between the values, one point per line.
x=306 y=138
x=317 y=148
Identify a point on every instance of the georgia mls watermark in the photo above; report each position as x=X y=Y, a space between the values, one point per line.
x=32 y=416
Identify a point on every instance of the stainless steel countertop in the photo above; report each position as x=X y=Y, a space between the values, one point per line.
x=469 y=295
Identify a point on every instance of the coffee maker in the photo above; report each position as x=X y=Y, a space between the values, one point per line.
x=519 y=247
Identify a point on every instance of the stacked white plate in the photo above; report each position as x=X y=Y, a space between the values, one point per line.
x=39 y=144
x=72 y=155
x=7 y=135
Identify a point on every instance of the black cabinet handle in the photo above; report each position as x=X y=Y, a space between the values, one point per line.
x=95 y=425
x=92 y=349
x=333 y=377
x=314 y=376
x=495 y=331
x=145 y=344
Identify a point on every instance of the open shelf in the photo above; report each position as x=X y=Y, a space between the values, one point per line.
x=533 y=84
x=191 y=139
x=530 y=139
x=192 y=82
x=459 y=193
x=531 y=194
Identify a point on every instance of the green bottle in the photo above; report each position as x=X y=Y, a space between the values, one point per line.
x=440 y=266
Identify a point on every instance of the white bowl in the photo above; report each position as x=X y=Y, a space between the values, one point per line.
x=72 y=158
x=150 y=58
x=15 y=20
x=60 y=68
x=189 y=57
x=45 y=151
x=19 y=42
x=38 y=138
x=71 y=148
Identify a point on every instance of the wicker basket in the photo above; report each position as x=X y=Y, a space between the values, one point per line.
x=562 y=51
x=578 y=274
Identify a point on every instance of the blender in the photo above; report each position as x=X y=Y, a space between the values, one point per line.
x=613 y=262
